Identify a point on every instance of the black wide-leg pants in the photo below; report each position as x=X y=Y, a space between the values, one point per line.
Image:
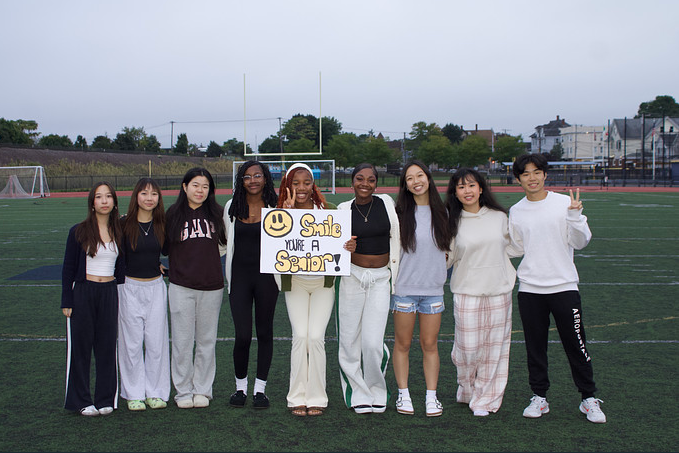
x=566 y=308
x=93 y=326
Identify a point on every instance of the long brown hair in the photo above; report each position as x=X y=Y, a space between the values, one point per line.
x=286 y=183
x=87 y=231
x=405 y=208
x=131 y=224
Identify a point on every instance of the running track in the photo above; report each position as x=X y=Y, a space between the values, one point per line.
x=496 y=189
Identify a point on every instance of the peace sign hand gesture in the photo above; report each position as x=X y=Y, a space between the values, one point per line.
x=290 y=200
x=575 y=201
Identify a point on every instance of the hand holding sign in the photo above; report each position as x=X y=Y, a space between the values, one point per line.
x=306 y=241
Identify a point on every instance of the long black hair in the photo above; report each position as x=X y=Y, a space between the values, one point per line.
x=178 y=213
x=454 y=206
x=405 y=208
x=87 y=231
x=239 y=206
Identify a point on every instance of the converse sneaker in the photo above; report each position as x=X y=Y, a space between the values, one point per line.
x=538 y=406
x=434 y=408
x=590 y=406
x=404 y=406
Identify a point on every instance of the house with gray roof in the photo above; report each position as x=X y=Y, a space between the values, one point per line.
x=547 y=135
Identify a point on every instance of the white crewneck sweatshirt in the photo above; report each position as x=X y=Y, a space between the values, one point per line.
x=547 y=232
x=481 y=265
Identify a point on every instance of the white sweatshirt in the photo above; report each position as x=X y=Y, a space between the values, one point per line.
x=547 y=232
x=481 y=265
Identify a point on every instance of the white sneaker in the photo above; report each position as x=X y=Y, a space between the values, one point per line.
x=434 y=408
x=538 y=406
x=200 y=401
x=591 y=407
x=106 y=410
x=89 y=411
x=186 y=403
x=404 y=406
x=481 y=413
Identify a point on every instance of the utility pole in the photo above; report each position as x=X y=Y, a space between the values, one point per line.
x=643 y=153
x=624 y=160
x=171 y=136
x=575 y=152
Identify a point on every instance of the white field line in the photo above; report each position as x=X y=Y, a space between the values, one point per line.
x=447 y=337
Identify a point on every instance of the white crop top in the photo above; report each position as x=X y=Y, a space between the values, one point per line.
x=104 y=262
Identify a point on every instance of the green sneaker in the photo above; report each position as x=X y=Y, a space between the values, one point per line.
x=136 y=405
x=156 y=403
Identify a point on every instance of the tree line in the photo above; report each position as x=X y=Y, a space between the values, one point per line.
x=447 y=146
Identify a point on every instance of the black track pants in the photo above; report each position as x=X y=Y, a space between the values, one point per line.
x=567 y=311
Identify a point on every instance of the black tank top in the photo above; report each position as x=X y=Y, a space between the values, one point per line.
x=373 y=234
x=144 y=262
x=247 y=246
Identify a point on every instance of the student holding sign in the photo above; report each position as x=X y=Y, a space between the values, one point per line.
x=363 y=306
x=425 y=238
x=309 y=300
x=253 y=191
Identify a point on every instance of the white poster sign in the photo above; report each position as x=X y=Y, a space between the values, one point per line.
x=305 y=241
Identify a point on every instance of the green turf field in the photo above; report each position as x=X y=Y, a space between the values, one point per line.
x=629 y=285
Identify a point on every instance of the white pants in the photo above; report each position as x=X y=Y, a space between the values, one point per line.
x=483 y=330
x=194 y=316
x=143 y=344
x=363 y=310
x=309 y=309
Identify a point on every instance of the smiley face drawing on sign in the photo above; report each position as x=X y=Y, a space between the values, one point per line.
x=277 y=223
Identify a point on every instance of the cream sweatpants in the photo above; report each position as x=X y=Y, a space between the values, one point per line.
x=194 y=316
x=309 y=309
x=483 y=329
x=362 y=313
x=143 y=344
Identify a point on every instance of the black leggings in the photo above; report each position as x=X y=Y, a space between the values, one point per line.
x=248 y=285
x=567 y=311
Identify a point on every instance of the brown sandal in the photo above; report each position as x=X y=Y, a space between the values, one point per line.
x=299 y=411
x=314 y=411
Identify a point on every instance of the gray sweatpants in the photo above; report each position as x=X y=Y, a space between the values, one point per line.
x=194 y=316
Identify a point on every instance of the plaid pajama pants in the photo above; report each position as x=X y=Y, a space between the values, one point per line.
x=483 y=328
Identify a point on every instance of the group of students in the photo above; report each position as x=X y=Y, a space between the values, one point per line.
x=400 y=256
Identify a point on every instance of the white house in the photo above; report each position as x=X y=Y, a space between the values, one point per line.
x=584 y=143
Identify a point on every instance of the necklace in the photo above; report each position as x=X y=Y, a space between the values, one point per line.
x=365 y=217
x=146 y=231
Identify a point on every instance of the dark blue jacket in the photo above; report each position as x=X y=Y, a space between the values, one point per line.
x=75 y=266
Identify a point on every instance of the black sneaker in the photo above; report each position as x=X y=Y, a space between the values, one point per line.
x=238 y=399
x=260 y=401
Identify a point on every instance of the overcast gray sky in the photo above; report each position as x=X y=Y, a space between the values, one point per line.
x=93 y=67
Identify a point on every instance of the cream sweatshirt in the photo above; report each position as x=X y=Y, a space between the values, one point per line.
x=481 y=265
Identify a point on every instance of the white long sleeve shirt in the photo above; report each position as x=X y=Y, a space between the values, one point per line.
x=547 y=232
x=481 y=265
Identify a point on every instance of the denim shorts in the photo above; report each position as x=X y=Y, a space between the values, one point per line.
x=427 y=305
